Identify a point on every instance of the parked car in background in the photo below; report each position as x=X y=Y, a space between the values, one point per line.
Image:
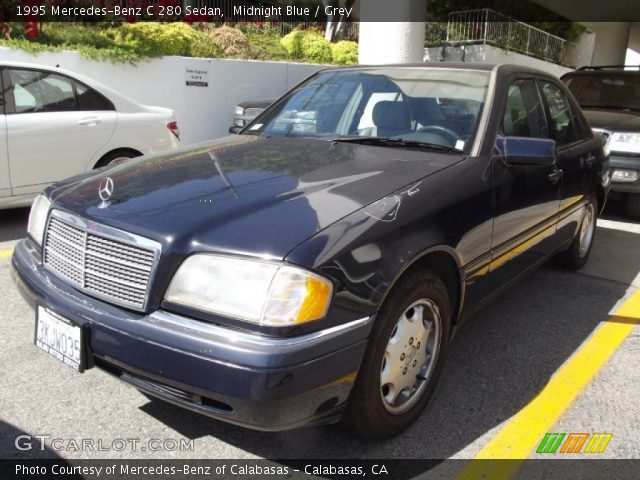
x=55 y=124
x=610 y=99
x=245 y=112
x=315 y=266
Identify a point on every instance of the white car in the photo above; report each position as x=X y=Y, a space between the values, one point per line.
x=55 y=124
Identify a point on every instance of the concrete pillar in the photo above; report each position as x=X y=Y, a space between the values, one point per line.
x=633 y=49
x=611 y=42
x=581 y=52
x=397 y=41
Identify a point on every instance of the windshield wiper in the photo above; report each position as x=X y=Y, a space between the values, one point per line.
x=397 y=142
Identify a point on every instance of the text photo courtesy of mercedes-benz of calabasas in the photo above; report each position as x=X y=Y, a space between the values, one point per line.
x=314 y=268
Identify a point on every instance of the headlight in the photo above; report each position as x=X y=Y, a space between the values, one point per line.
x=625 y=142
x=238 y=111
x=256 y=291
x=623 y=175
x=38 y=218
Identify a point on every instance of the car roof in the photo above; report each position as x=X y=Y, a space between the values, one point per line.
x=122 y=103
x=605 y=70
x=440 y=65
x=500 y=68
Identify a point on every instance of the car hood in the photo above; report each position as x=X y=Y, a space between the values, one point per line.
x=616 y=120
x=246 y=194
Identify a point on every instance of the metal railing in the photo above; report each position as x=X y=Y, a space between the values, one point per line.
x=486 y=26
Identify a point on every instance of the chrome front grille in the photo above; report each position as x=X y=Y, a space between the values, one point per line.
x=104 y=262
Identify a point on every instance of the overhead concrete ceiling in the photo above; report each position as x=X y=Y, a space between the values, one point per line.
x=595 y=10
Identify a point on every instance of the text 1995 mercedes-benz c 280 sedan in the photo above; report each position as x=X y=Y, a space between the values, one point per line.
x=314 y=267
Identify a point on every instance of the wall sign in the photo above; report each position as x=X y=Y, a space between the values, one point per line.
x=196 y=77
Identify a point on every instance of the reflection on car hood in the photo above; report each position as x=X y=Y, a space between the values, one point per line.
x=616 y=120
x=247 y=194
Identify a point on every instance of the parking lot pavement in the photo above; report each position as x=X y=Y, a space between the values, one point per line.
x=498 y=364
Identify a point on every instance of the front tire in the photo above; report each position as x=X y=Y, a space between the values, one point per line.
x=578 y=253
x=404 y=357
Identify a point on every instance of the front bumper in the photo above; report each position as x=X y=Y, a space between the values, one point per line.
x=250 y=380
x=626 y=162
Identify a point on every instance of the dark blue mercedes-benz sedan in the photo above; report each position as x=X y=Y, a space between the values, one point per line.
x=314 y=267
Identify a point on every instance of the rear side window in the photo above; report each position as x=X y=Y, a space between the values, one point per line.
x=524 y=115
x=606 y=89
x=564 y=124
x=38 y=91
x=89 y=99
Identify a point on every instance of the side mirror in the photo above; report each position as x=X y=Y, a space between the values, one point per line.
x=530 y=151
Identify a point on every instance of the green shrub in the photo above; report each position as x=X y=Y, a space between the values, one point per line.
x=266 y=28
x=266 y=47
x=307 y=45
x=139 y=41
x=69 y=35
x=205 y=48
x=30 y=47
x=154 y=39
x=316 y=48
x=344 y=52
x=231 y=41
x=292 y=43
x=114 y=54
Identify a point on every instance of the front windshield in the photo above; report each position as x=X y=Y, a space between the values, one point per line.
x=610 y=90
x=426 y=105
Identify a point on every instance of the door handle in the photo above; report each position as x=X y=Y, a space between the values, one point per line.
x=556 y=175
x=589 y=160
x=89 y=121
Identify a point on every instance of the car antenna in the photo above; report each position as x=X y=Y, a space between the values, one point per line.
x=222 y=174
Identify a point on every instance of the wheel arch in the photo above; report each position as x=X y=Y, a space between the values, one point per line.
x=116 y=151
x=444 y=261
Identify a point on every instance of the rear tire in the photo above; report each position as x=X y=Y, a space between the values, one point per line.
x=633 y=205
x=403 y=359
x=578 y=253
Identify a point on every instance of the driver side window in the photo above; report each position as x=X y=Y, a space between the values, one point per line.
x=524 y=115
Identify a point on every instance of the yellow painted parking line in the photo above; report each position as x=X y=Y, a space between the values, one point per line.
x=524 y=431
x=5 y=253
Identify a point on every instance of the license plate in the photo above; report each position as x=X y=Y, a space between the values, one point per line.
x=59 y=337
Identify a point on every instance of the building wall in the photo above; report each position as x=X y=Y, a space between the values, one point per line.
x=202 y=112
x=489 y=54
